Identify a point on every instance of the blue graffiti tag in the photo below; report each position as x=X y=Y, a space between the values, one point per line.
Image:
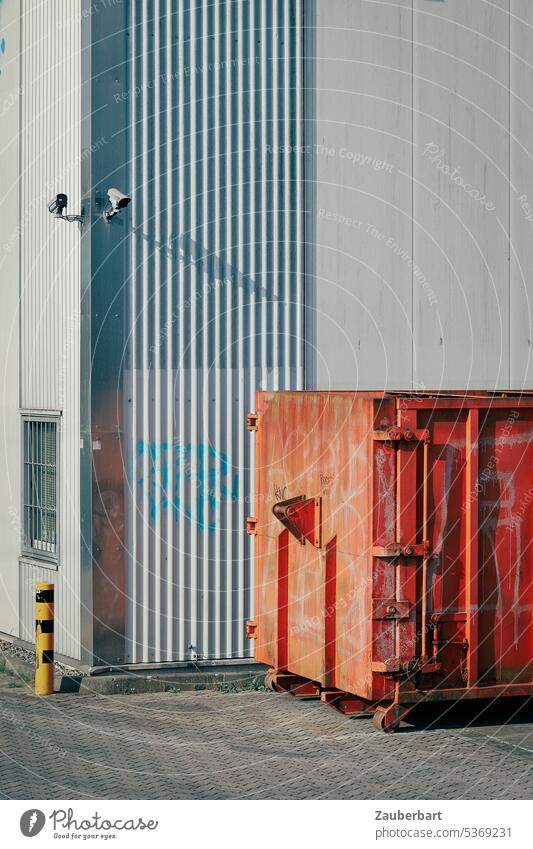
x=207 y=475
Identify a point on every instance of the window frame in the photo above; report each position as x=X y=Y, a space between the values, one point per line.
x=50 y=560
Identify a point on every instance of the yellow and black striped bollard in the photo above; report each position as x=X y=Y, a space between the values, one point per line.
x=44 y=639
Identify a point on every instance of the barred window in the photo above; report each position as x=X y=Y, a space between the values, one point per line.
x=40 y=531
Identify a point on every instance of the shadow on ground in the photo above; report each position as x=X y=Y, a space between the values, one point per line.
x=469 y=713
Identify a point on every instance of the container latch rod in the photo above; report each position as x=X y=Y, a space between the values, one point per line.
x=402 y=434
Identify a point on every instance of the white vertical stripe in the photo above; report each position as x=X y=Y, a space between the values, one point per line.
x=206 y=330
x=298 y=216
x=183 y=323
x=229 y=118
x=253 y=51
x=288 y=157
x=195 y=155
x=155 y=222
x=275 y=235
x=142 y=317
x=170 y=330
x=219 y=298
x=265 y=39
x=132 y=599
x=239 y=427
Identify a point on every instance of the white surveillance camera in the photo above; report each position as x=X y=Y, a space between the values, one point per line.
x=117 y=200
x=58 y=204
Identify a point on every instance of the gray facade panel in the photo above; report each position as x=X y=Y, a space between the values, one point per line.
x=422 y=262
x=363 y=156
x=521 y=193
x=461 y=195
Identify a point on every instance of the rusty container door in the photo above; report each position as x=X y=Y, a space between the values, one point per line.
x=313 y=589
x=478 y=520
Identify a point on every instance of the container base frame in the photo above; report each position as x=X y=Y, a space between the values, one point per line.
x=386 y=716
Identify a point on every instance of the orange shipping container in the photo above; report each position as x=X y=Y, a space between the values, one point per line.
x=393 y=547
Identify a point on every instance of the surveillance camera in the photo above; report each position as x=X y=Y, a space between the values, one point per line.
x=58 y=204
x=118 y=200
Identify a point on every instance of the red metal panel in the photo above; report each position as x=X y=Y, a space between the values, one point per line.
x=505 y=493
x=348 y=510
x=283 y=600
x=444 y=628
x=407 y=534
x=419 y=584
x=318 y=445
x=330 y=650
x=472 y=548
x=306 y=591
x=383 y=501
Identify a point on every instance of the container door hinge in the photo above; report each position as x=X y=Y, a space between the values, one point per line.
x=251 y=629
x=251 y=421
x=401 y=434
x=251 y=525
x=397 y=549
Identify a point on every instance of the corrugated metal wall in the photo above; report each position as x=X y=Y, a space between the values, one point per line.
x=216 y=304
x=50 y=280
x=9 y=342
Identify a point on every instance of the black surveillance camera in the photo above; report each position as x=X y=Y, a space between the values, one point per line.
x=58 y=204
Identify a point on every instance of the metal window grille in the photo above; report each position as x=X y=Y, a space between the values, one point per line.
x=40 y=533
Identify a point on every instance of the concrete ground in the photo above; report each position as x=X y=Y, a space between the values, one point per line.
x=254 y=744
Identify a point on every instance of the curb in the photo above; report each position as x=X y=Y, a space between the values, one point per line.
x=234 y=678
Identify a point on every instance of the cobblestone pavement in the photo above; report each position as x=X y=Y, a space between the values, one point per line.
x=254 y=745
